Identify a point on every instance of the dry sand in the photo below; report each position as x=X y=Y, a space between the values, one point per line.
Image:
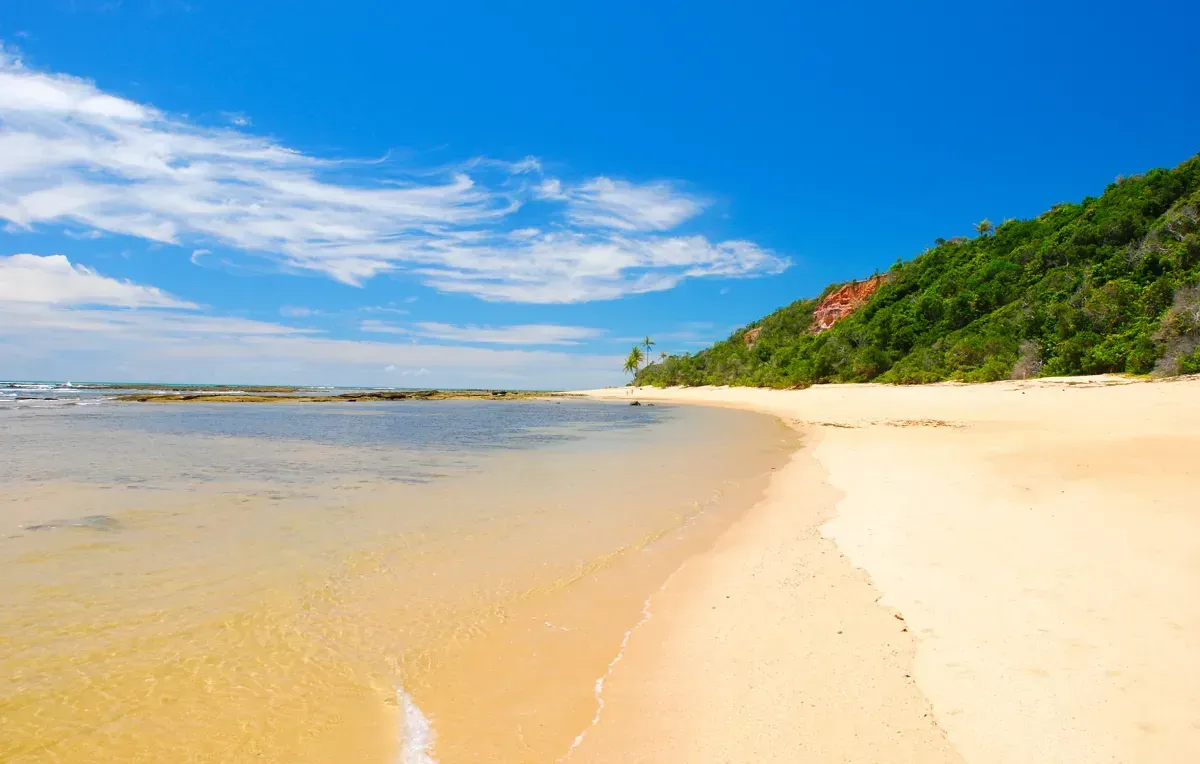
x=989 y=573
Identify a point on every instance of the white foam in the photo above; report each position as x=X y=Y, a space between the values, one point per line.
x=416 y=733
x=599 y=690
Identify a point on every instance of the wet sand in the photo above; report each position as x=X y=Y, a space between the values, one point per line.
x=1002 y=573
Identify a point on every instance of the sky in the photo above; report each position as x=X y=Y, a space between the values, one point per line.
x=510 y=195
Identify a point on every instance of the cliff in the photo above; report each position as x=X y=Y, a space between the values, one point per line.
x=843 y=302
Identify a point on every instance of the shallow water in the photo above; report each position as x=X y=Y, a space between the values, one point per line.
x=369 y=582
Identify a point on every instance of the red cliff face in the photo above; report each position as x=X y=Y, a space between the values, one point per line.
x=843 y=302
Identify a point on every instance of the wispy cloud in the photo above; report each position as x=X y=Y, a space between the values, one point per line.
x=375 y=326
x=608 y=203
x=686 y=334
x=389 y=308
x=523 y=334
x=297 y=311
x=569 y=266
x=74 y=155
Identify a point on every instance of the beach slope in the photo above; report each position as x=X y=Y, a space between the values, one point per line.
x=1002 y=573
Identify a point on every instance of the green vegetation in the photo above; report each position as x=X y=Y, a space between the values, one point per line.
x=1111 y=284
x=647 y=348
x=633 y=361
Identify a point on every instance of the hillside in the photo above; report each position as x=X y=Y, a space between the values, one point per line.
x=1111 y=284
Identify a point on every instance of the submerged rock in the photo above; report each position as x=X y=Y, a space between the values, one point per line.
x=95 y=522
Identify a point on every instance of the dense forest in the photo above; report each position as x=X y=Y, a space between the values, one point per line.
x=1111 y=284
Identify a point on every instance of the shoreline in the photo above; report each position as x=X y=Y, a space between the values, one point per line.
x=1033 y=541
x=731 y=661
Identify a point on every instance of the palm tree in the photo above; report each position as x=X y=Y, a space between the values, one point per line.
x=662 y=356
x=647 y=343
x=983 y=227
x=633 y=361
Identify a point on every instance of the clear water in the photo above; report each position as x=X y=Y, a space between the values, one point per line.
x=404 y=440
x=300 y=582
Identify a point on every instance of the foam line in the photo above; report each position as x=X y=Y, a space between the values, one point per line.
x=416 y=733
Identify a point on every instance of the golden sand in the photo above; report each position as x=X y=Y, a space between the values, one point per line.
x=1034 y=549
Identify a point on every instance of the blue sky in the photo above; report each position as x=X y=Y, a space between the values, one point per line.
x=483 y=194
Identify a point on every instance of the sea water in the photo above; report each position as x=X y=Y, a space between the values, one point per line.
x=406 y=581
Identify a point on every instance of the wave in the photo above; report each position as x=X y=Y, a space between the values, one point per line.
x=30 y=402
x=416 y=733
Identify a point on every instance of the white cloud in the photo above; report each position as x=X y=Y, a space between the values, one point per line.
x=73 y=155
x=75 y=323
x=551 y=188
x=390 y=367
x=54 y=280
x=524 y=334
x=236 y=118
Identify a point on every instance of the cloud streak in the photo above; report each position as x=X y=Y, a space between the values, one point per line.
x=73 y=155
x=522 y=334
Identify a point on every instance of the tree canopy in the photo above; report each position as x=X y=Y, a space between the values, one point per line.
x=1106 y=285
x=634 y=360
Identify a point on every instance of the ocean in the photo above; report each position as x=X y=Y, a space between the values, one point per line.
x=410 y=581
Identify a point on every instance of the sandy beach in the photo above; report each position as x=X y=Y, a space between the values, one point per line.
x=986 y=573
